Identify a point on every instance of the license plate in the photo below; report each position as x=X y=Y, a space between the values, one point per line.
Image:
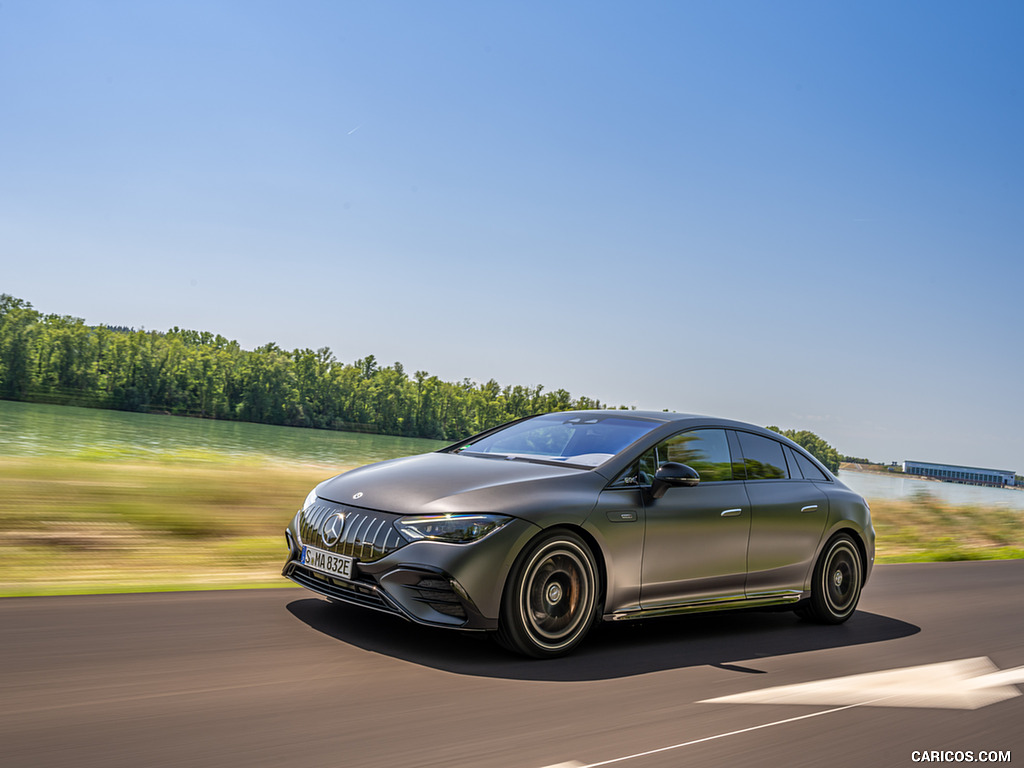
x=326 y=562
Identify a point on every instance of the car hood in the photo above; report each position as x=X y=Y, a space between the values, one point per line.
x=443 y=483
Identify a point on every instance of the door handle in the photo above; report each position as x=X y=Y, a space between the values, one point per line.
x=732 y=513
x=809 y=508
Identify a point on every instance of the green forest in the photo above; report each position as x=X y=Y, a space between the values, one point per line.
x=62 y=360
x=59 y=359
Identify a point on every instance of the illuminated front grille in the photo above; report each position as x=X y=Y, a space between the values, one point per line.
x=367 y=535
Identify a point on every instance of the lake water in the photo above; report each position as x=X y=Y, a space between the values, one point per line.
x=873 y=485
x=27 y=429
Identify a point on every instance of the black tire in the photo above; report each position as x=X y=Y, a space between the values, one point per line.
x=551 y=598
x=836 y=584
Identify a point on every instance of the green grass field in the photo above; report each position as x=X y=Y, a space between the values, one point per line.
x=192 y=521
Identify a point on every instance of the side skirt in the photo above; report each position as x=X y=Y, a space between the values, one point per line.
x=761 y=600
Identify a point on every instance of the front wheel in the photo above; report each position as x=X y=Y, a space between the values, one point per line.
x=550 y=600
x=837 y=581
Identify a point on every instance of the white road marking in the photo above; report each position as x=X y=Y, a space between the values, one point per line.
x=575 y=764
x=962 y=684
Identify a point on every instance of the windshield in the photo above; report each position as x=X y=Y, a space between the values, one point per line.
x=583 y=440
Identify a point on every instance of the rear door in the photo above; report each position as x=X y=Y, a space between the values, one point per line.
x=788 y=516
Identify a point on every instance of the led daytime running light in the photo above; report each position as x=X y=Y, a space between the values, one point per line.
x=455 y=529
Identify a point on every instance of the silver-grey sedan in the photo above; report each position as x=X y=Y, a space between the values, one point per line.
x=540 y=528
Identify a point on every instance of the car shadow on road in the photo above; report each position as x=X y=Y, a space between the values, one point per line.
x=731 y=640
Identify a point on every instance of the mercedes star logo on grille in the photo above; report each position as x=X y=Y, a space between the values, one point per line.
x=331 y=531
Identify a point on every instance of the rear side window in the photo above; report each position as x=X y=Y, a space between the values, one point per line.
x=763 y=457
x=809 y=468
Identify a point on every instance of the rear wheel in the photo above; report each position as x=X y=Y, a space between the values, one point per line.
x=837 y=581
x=550 y=600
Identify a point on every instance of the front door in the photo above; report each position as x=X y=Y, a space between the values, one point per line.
x=695 y=542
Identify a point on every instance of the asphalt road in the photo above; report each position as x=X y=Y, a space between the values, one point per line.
x=278 y=677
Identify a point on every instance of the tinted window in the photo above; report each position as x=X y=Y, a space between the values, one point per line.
x=763 y=457
x=646 y=468
x=794 y=468
x=640 y=472
x=706 y=450
x=810 y=469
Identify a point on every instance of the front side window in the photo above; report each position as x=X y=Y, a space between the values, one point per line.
x=763 y=457
x=705 y=450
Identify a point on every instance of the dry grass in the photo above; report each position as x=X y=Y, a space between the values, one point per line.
x=78 y=525
x=925 y=529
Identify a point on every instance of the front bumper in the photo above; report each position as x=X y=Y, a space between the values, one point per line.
x=426 y=597
x=438 y=584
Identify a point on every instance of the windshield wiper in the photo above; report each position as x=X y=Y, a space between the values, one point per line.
x=525 y=457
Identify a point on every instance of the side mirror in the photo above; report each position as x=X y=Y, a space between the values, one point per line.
x=673 y=475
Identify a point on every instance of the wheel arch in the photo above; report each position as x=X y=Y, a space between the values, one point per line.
x=829 y=536
x=858 y=539
x=591 y=542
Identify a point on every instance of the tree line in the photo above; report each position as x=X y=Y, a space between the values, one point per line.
x=59 y=359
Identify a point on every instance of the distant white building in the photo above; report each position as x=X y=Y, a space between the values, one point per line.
x=952 y=473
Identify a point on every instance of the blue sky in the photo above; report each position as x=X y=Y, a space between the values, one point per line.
x=796 y=213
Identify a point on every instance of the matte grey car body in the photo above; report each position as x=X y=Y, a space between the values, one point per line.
x=540 y=528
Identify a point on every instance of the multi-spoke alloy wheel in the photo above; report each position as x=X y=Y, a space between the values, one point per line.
x=550 y=601
x=838 y=577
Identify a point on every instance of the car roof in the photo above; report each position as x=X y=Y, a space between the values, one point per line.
x=662 y=416
x=680 y=419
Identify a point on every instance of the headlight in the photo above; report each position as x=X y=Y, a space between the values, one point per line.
x=310 y=499
x=455 y=529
